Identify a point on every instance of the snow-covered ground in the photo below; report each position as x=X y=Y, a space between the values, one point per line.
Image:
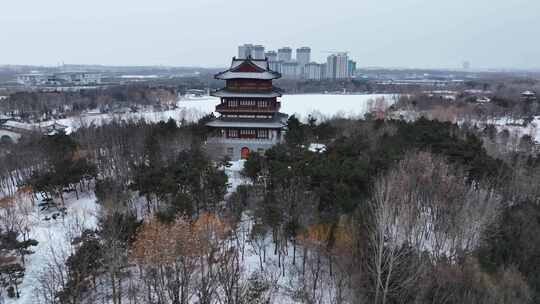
x=514 y=126
x=517 y=128
x=234 y=175
x=316 y=147
x=53 y=236
x=179 y=114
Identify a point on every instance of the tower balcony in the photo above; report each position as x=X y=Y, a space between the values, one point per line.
x=240 y=140
x=224 y=107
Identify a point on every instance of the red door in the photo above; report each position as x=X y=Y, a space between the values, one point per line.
x=244 y=153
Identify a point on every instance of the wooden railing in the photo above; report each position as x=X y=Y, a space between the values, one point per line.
x=232 y=140
x=248 y=109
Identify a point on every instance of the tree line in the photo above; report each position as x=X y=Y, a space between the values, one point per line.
x=29 y=105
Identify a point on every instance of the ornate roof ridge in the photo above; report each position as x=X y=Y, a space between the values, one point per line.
x=263 y=70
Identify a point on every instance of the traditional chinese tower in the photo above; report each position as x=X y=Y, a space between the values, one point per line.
x=249 y=110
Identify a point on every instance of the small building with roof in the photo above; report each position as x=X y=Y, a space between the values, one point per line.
x=529 y=96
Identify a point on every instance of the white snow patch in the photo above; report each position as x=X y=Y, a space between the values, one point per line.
x=314 y=147
x=54 y=234
x=514 y=126
x=234 y=175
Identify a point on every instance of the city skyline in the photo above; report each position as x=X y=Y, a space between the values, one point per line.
x=410 y=33
x=298 y=64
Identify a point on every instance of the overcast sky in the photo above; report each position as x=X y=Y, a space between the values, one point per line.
x=389 y=33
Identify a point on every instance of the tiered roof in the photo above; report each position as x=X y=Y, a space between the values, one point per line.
x=248 y=69
x=278 y=121
x=275 y=92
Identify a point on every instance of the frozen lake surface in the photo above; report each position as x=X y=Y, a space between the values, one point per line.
x=319 y=105
x=192 y=109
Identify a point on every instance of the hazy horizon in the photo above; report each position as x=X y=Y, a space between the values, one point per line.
x=406 y=33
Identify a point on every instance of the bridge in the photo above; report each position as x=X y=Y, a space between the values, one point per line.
x=8 y=136
x=11 y=131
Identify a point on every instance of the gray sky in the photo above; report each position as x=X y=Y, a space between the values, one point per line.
x=389 y=33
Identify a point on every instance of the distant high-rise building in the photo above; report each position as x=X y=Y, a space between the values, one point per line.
x=313 y=71
x=275 y=66
x=290 y=70
x=337 y=66
x=351 y=66
x=271 y=55
x=323 y=70
x=303 y=57
x=244 y=51
x=257 y=52
x=285 y=54
x=466 y=65
x=331 y=67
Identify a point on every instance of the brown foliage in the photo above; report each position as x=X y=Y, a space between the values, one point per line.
x=160 y=244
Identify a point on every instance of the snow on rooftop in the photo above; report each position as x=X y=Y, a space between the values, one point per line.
x=226 y=93
x=262 y=63
x=248 y=75
x=315 y=147
x=20 y=125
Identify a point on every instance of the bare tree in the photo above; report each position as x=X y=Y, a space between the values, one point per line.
x=53 y=276
x=424 y=204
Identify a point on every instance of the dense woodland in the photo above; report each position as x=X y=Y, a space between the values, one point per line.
x=385 y=212
x=418 y=195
